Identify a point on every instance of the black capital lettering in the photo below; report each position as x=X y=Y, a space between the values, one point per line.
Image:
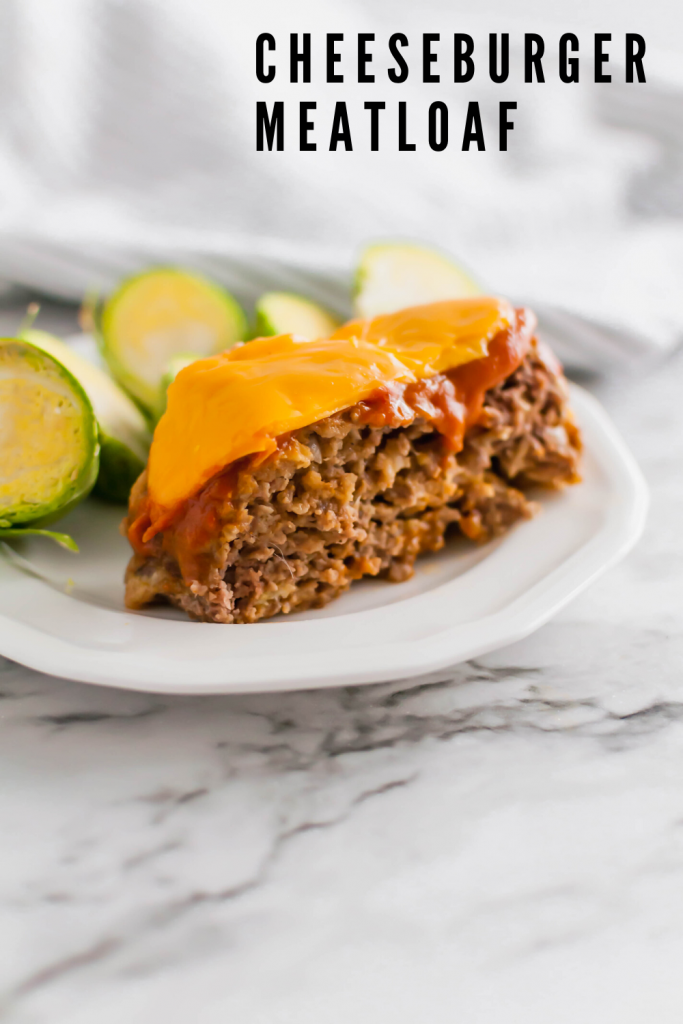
x=534 y=48
x=601 y=57
x=333 y=57
x=635 y=51
x=474 y=130
x=264 y=40
x=296 y=57
x=494 y=74
x=569 y=66
x=429 y=58
x=403 y=145
x=398 y=39
x=374 y=106
x=438 y=126
x=463 y=65
x=365 y=58
x=306 y=126
x=341 y=129
x=272 y=127
x=504 y=126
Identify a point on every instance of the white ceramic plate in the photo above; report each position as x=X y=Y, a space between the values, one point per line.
x=63 y=613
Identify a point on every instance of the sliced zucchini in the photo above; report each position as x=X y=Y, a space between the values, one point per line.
x=152 y=317
x=394 y=276
x=175 y=365
x=124 y=435
x=119 y=469
x=285 y=313
x=49 y=452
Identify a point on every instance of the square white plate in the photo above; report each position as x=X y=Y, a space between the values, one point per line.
x=63 y=613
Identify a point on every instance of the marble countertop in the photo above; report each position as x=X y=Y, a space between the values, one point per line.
x=498 y=843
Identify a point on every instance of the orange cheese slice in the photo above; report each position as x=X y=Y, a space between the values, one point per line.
x=239 y=402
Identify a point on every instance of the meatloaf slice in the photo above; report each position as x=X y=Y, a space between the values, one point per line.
x=343 y=498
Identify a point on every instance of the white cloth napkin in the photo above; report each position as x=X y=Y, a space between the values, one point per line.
x=128 y=139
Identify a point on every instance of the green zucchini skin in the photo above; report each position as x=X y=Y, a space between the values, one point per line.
x=124 y=435
x=68 y=493
x=120 y=355
x=288 y=313
x=119 y=469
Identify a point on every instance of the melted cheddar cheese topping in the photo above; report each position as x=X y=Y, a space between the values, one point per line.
x=239 y=402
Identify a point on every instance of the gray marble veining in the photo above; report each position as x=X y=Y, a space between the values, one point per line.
x=501 y=842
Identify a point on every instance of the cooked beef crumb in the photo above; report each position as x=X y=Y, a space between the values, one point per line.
x=342 y=499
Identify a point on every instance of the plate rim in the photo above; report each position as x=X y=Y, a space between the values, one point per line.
x=528 y=611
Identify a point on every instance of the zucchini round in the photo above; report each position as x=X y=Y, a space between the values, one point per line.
x=49 y=450
x=393 y=276
x=123 y=432
x=156 y=315
x=286 y=313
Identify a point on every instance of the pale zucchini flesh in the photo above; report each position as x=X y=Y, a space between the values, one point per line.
x=123 y=432
x=390 y=277
x=156 y=315
x=286 y=313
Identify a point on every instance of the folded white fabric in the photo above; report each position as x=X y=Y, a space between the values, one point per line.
x=129 y=140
